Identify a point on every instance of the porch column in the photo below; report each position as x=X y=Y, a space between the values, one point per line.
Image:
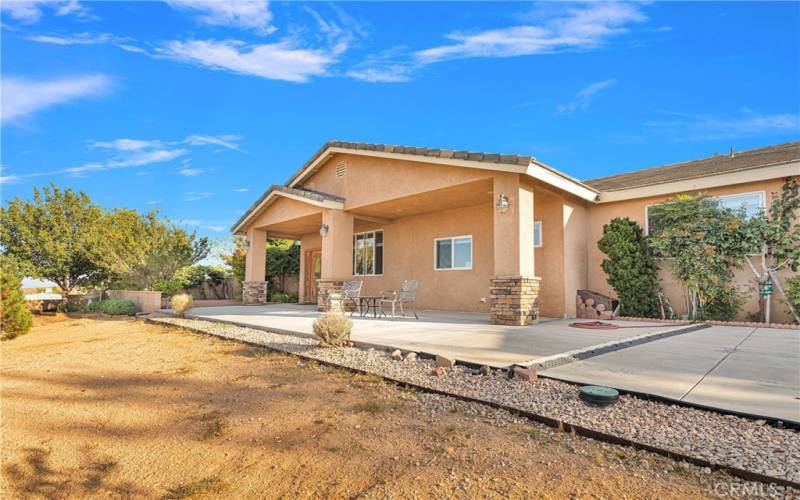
x=514 y=290
x=337 y=254
x=254 y=290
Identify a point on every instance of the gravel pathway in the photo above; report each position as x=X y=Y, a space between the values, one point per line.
x=720 y=439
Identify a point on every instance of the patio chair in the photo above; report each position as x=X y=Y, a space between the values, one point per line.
x=350 y=291
x=406 y=295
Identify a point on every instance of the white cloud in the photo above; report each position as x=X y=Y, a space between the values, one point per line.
x=196 y=196
x=31 y=11
x=701 y=127
x=248 y=14
x=584 y=97
x=190 y=172
x=242 y=190
x=389 y=73
x=274 y=61
x=577 y=28
x=216 y=229
x=76 y=39
x=125 y=144
x=228 y=141
x=22 y=97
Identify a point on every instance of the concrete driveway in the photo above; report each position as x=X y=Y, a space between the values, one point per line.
x=747 y=370
x=754 y=371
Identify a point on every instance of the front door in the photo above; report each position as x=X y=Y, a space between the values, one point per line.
x=313 y=272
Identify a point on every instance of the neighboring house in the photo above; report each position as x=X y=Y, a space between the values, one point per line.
x=503 y=234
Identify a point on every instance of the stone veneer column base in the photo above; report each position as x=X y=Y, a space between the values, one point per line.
x=324 y=289
x=254 y=293
x=514 y=300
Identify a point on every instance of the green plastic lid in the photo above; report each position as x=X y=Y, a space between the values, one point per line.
x=599 y=395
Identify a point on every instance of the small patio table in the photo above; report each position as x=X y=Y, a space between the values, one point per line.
x=367 y=302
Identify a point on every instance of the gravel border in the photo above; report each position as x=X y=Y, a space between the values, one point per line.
x=724 y=441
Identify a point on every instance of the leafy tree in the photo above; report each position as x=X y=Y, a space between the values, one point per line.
x=142 y=250
x=55 y=237
x=237 y=257
x=16 y=318
x=283 y=260
x=702 y=242
x=792 y=293
x=630 y=267
x=774 y=237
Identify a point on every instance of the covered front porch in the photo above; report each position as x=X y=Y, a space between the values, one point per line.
x=494 y=226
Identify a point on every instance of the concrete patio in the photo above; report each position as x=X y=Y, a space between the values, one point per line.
x=464 y=336
x=754 y=371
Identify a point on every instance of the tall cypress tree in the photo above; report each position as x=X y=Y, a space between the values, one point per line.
x=630 y=267
x=16 y=318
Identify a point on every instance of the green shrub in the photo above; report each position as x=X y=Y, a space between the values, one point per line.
x=16 y=318
x=281 y=297
x=332 y=329
x=114 y=307
x=169 y=287
x=792 y=289
x=193 y=276
x=630 y=268
x=182 y=303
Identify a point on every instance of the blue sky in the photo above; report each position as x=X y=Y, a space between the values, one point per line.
x=195 y=108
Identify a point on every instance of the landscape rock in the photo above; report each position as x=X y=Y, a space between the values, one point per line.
x=412 y=356
x=397 y=355
x=437 y=372
x=444 y=362
x=485 y=370
x=527 y=374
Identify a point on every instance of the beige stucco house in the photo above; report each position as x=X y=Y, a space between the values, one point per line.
x=502 y=234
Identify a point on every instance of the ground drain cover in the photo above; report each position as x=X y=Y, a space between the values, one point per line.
x=598 y=395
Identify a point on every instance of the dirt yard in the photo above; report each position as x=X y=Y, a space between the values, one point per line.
x=101 y=408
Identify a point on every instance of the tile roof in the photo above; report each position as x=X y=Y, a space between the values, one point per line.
x=713 y=165
x=509 y=159
x=305 y=193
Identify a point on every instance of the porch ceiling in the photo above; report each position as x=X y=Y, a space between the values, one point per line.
x=461 y=195
x=295 y=228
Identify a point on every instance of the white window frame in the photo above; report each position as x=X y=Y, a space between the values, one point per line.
x=541 y=234
x=761 y=194
x=453 y=253
x=383 y=254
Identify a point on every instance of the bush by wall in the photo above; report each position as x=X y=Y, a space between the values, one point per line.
x=16 y=318
x=792 y=289
x=169 y=287
x=114 y=307
x=630 y=268
x=280 y=297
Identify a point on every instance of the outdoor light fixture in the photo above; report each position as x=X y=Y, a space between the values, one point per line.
x=323 y=230
x=502 y=203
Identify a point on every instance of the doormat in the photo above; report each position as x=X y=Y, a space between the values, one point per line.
x=594 y=325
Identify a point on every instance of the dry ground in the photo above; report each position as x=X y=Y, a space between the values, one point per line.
x=99 y=408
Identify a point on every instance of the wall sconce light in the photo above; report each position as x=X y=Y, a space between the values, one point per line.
x=324 y=229
x=502 y=203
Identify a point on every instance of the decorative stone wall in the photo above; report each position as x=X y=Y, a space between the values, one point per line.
x=254 y=293
x=324 y=289
x=593 y=305
x=514 y=300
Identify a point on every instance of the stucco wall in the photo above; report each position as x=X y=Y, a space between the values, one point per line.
x=635 y=210
x=549 y=259
x=372 y=180
x=408 y=254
